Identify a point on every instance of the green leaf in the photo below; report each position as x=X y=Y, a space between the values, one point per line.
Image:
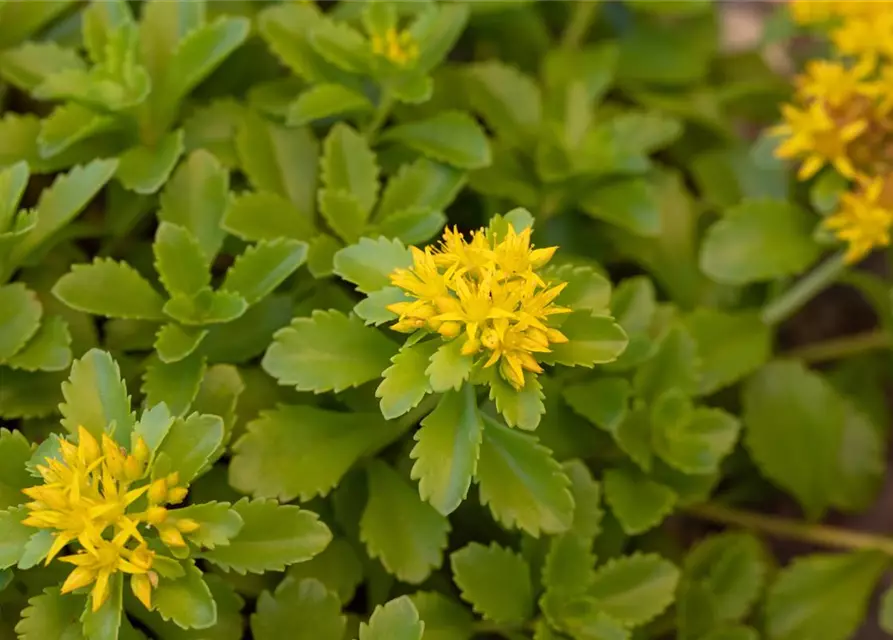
x=495 y=581
x=349 y=165
x=105 y=623
x=444 y=619
x=788 y=408
x=190 y=443
x=591 y=340
x=145 y=169
x=759 y=240
x=85 y=288
x=449 y=368
x=587 y=494
x=67 y=125
x=13 y=535
x=96 y=398
x=272 y=459
x=822 y=596
x=206 y=307
x=693 y=441
x=654 y=52
x=639 y=504
x=196 y=198
x=153 y=426
x=51 y=615
x=28 y=395
x=343 y=213
x=327 y=352
x=422 y=184
x=22 y=21
x=521 y=482
x=413 y=226
x=187 y=601
x=739 y=632
x=304 y=607
x=264 y=266
x=249 y=335
x=406 y=534
x=62 y=201
x=174 y=342
x=520 y=408
x=451 y=137
x=179 y=260
x=19 y=134
x=447 y=449
x=373 y=309
x=509 y=101
x=272 y=537
x=279 y=160
x=174 y=383
x=604 y=401
x=47 y=350
x=162 y=26
x=635 y=589
x=732 y=567
x=341 y=45
x=396 y=620
x=321 y=254
x=567 y=569
x=586 y=288
x=20 y=313
x=676 y=365
x=266 y=216
x=15 y=451
x=404 y=383
x=324 y=101
x=886 y=611
x=13 y=180
x=725 y=361
x=630 y=203
x=369 y=263
x=338 y=568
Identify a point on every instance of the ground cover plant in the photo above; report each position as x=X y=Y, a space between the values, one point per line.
x=446 y=320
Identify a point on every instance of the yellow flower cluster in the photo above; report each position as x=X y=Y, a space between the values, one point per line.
x=85 y=497
x=398 y=47
x=843 y=116
x=489 y=292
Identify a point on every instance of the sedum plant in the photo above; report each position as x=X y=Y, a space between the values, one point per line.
x=449 y=320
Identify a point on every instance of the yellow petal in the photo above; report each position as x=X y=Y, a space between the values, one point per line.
x=59 y=543
x=187 y=525
x=142 y=589
x=79 y=577
x=100 y=591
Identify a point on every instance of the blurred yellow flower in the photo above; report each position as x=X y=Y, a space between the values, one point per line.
x=815 y=137
x=863 y=220
x=834 y=82
x=87 y=493
x=398 y=47
x=486 y=292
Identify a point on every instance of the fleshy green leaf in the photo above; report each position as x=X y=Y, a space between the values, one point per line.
x=304 y=607
x=444 y=619
x=174 y=383
x=639 y=504
x=635 y=589
x=788 y=408
x=13 y=180
x=218 y=523
x=62 y=201
x=323 y=101
x=179 y=260
x=105 y=623
x=96 y=397
x=520 y=408
x=369 y=263
x=404 y=383
x=886 y=612
x=28 y=65
x=421 y=184
x=759 y=240
x=415 y=225
x=521 y=482
x=343 y=213
x=349 y=165
x=338 y=568
x=86 y=288
x=588 y=513
x=676 y=365
x=451 y=137
x=328 y=351
x=508 y=100
x=14 y=453
x=591 y=340
x=187 y=601
x=190 y=443
x=13 y=535
x=51 y=615
x=373 y=309
x=630 y=203
x=265 y=215
x=449 y=368
x=175 y=342
x=196 y=198
x=279 y=160
x=822 y=596
x=406 y=534
x=273 y=460
x=567 y=568
x=206 y=307
x=47 y=350
x=341 y=45
x=447 y=450
x=145 y=169
x=20 y=313
x=725 y=361
x=396 y=620
x=604 y=401
x=495 y=581
x=256 y=273
x=272 y=537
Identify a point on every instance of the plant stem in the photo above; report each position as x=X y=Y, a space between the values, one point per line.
x=792 y=529
x=385 y=104
x=578 y=24
x=842 y=347
x=789 y=302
